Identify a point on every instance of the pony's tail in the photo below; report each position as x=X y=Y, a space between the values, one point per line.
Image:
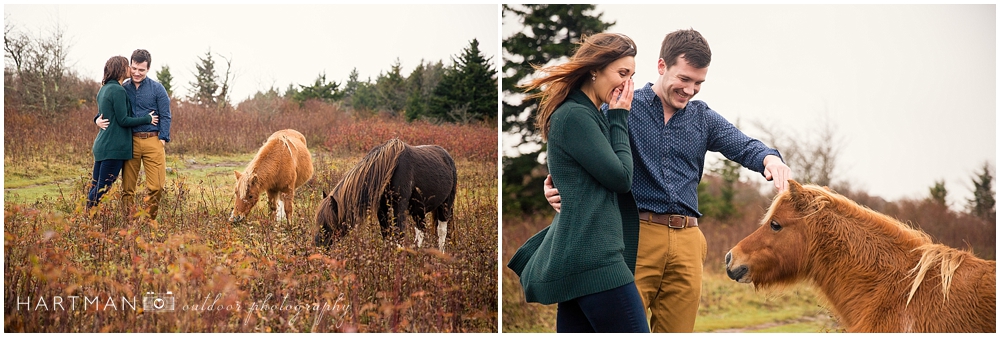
x=364 y=184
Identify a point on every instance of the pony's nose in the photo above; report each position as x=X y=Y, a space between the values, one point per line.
x=729 y=258
x=235 y=218
x=737 y=274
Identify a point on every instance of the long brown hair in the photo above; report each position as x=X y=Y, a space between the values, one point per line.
x=595 y=53
x=116 y=68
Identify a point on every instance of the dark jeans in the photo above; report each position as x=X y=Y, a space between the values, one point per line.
x=616 y=310
x=105 y=173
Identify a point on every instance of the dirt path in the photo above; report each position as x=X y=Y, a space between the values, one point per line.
x=821 y=319
x=57 y=182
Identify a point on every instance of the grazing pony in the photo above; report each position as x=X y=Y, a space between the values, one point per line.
x=393 y=175
x=878 y=274
x=281 y=165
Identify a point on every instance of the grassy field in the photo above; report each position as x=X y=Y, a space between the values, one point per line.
x=258 y=276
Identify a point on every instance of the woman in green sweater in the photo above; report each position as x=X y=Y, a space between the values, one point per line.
x=585 y=260
x=113 y=145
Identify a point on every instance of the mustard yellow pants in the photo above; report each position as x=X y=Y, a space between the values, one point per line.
x=147 y=153
x=668 y=273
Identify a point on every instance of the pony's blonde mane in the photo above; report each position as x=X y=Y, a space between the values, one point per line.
x=356 y=192
x=932 y=254
x=949 y=259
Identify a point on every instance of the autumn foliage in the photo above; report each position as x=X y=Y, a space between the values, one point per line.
x=258 y=276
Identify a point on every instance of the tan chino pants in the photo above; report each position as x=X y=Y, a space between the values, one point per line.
x=668 y=274
x=149 y=154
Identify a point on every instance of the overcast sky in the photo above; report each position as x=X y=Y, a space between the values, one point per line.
x=911 y=89
x=270 y=45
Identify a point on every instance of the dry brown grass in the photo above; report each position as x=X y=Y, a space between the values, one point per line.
x=220 y=275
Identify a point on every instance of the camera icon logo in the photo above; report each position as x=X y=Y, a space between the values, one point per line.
x=161 y=302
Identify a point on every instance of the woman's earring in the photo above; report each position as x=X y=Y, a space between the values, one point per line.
x=593 y=78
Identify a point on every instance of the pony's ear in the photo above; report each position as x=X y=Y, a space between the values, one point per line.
x=324 y=194
x=794 y=184
x=801 y=199
x=238 y=174
x=253 y=179
x=333 y=207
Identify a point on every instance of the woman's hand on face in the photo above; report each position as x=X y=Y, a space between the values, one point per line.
x=156 y=119
x=621 y=97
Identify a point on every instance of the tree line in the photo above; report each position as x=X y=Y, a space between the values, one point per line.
x=37 y=78
x=463 y=92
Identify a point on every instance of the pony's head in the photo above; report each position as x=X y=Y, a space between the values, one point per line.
x=329 y=221
x=247 y=194
x=776 y=252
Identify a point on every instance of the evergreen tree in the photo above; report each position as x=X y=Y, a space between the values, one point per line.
x=163 y=76
x=352 y=85
x=983 y=202
x=433 y=72
x=430 y=75
x=320 y=90
x=939 y=193
x=730 y=173
x=468 y=90
x=390 y=90
x=364 y=97
x=416 y=102
x=551 y=32
x=291 y=91
x=205 y=84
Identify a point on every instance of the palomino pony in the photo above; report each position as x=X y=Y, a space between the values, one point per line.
x=878 y=274
x=393 y=175
x=281 y=165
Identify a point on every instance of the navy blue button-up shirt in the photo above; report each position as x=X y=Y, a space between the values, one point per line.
x=150 y=96
x=669 y=159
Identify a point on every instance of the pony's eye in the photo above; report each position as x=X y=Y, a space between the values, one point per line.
x=775 y=226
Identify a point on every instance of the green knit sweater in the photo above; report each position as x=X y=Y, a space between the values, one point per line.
x=115 y=142
x=591 y=244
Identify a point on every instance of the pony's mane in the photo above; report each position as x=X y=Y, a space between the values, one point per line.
x=822 y=199
x=949 y=259
x=243 y=184
x=363 y=185
x=932 y=254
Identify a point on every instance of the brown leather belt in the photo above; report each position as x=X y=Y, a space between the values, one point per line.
x=144 y=135
x=670 y=220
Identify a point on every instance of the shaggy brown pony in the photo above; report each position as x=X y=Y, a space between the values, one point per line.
x=281 y=165
x=395 y=176
x=878 y=274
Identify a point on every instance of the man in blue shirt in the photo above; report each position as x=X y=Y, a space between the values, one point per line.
x=670 y=135
x=148 y=141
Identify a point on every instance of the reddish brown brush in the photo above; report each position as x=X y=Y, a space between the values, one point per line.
x=53 y=251
x=878 y=274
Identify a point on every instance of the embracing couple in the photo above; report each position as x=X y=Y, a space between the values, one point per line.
x=624 y=167
x=134 y=117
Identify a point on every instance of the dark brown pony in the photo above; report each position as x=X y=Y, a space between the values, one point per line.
x=878 y=274
x=281 y=165
x=395 y=176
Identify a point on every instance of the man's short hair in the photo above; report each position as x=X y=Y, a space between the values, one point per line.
x=690 y=44
x=142 y=55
